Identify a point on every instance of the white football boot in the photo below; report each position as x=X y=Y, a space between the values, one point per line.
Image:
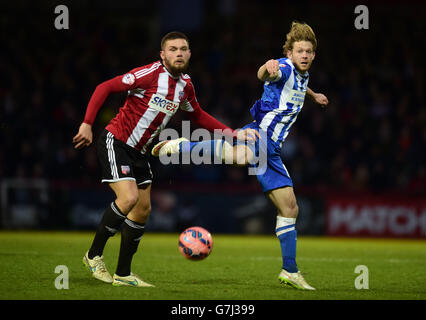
x=167 y=147
x=132 y=280
x=294 y=280
x=97 y=267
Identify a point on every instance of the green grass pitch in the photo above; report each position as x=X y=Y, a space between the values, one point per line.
x=239 y=268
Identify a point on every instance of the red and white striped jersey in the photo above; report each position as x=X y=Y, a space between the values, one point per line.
x=154 y=96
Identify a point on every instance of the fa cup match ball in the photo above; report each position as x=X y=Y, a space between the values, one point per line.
x=195 y=243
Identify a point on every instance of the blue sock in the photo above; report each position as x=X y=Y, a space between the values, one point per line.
x=287 y=235
x=211 y=148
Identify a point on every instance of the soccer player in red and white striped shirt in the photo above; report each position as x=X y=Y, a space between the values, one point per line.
x=155 y=93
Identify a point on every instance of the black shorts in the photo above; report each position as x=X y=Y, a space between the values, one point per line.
x=122 y=162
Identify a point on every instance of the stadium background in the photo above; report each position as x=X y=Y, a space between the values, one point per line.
x=359 y=167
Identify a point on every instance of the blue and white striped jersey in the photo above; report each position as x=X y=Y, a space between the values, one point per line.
x=281 y=101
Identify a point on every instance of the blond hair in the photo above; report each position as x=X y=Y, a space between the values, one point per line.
x=299 y=31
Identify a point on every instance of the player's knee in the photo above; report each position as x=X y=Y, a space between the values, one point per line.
x=141 y=212
x=295 y=210
x=240 y=161
x=290 y=210
x=127 y=202
x=242 y=156
x=249 y=156
x=145 y=209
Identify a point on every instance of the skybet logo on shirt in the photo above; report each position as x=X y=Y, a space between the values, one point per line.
x=159 y=103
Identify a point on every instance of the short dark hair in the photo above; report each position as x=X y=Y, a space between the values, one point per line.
x=172 y=36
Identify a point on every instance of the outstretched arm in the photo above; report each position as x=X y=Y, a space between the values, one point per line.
x=318 y=97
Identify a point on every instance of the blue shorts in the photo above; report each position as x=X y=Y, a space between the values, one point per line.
x=276 y=174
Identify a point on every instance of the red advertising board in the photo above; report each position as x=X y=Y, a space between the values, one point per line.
x=385 y=216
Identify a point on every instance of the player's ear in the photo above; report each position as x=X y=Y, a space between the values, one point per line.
x=162 y=56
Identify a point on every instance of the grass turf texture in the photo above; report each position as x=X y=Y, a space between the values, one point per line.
x=239 y=268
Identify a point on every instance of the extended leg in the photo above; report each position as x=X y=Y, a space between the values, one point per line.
x=216 y=151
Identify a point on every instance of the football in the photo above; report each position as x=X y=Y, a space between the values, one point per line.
x=195 y=243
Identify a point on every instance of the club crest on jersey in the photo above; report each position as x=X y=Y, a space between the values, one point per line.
x=125 y=169
x=128 y=78
x=159 y=103
x=181 y=95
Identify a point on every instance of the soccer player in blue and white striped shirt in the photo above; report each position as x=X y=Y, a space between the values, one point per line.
x=286 y=84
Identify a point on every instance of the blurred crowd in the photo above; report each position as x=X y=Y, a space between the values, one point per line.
x=371 y=137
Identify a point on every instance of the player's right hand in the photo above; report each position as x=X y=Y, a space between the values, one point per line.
x=272 y=66
x=84 y=137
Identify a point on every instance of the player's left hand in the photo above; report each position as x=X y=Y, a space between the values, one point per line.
x=248 y=135
x=320 y=99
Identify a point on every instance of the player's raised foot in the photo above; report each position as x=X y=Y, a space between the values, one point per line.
x=167 y=147
x=97 y=267
x=132 y=280
x=294 y=280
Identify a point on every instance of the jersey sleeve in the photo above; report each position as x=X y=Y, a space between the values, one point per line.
x=190 y=102
x=141 y=77
x=136 y=78
x=284 y=71
x=99 y=96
